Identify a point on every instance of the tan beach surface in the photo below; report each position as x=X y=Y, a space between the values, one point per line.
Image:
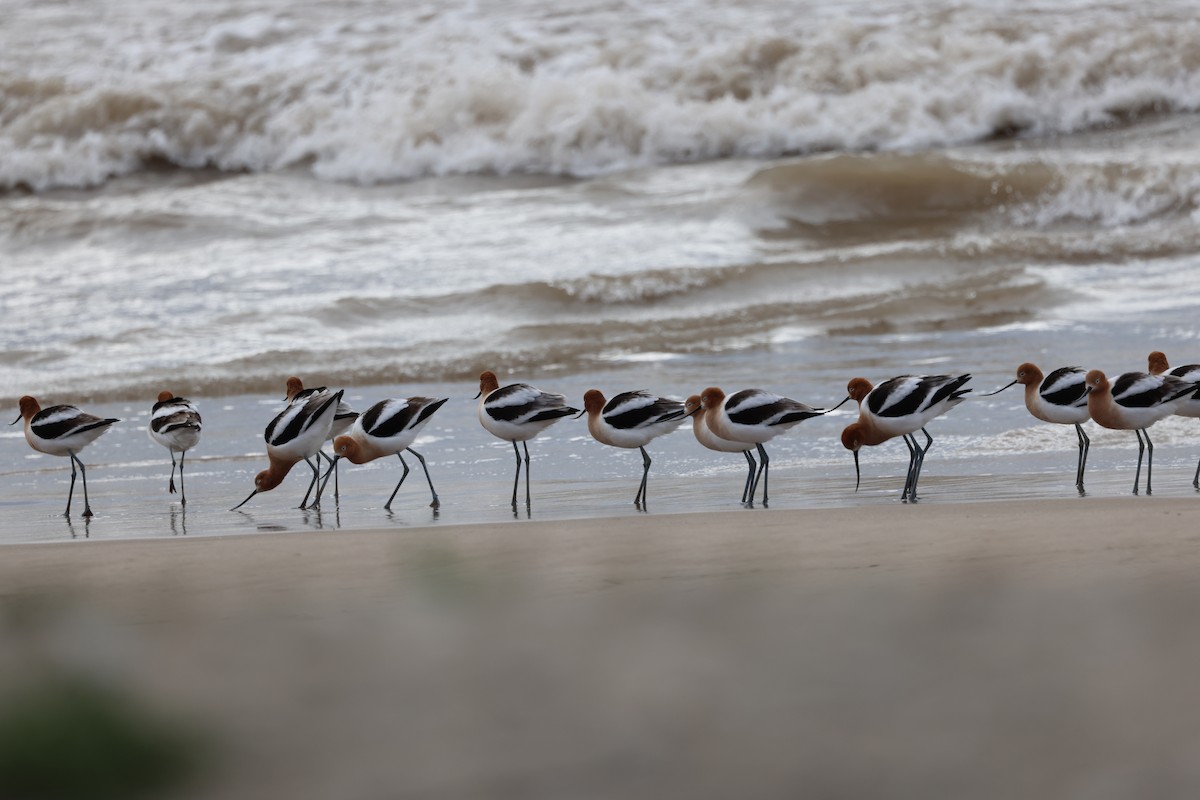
x=984 y=650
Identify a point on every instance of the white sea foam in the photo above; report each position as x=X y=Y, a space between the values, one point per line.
x=369 y=92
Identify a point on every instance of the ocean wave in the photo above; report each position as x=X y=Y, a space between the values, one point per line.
x=390 y=94
x=837 y=195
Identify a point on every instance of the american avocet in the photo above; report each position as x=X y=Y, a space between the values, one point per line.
x=175 y=424
x=632 y=419
x=1060 y=397
x=517 y=413
x=900 y=406
x=62 y=431
x=1134 y=402
x=693 y=407
x=754 y=416
x=385 y=429
x=1189 y=407
x=296 y=435
x=296 y=393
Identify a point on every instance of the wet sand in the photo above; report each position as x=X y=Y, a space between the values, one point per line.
x=993 y=649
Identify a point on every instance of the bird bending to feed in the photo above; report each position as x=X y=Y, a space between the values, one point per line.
x=517 y=413
x=1134 y=402
x=342 y=420
x=1060 y=397
x=693 y=407
x=296 y=435
x=175 y=424
x=62 y=431
x=755 y=417
x=631 y=419
x=1189 y=407
x=900 y=406
x=385 y=429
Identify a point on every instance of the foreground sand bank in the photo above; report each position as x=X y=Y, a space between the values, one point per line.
x=985 y=650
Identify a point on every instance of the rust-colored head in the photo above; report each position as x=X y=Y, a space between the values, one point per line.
x=692 y=405
x=593 y=401
x=294 y=387
x=29 y=407
x=1096 y=381
x=1029 y=375
x=858 y=388
x=164 y=396
x=268 y=479
x=487 y=383
x=347 y=447
x=853 y=437
x=1158 y=363
x=712 y=397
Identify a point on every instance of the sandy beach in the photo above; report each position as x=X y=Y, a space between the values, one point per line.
x=1033 y=649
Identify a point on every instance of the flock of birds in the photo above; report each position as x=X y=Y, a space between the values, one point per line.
x=738 y=423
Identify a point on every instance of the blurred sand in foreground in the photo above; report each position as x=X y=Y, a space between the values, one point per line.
x=993 y=650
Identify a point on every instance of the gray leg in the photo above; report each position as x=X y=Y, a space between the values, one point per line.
x=517 y=477
x=1084 y=444
x=388 y=505
x=528 y=504
x=752 y=464
x=316 y=479
x=1149 y=460
x=436 y=504
x=87 y=506
x=182 y=491
x=1137 y=476
x=640 y=498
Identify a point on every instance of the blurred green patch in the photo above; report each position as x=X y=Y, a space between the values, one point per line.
x=65 y=737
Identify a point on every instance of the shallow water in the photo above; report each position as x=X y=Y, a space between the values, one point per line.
x=986 y=449
x=392 y=199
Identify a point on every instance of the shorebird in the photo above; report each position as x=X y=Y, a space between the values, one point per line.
x=704 y=435
x=62 y=431
x=342 y=420
x=175 y=424
x=756 y=417
x=900 y=406
x=1134 y=402
x=1189 y=407
x=1060 y=397
x=296 y=435
x=631 y=419
x=517 y=413
x=388 y=428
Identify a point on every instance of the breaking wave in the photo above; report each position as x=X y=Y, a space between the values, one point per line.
x=383 y=93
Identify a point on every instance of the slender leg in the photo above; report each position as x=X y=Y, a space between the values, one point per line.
x=436 y=504
x=1196 y=480
x=332 y=468
x=912 y=490
x=388 y=505
x=1137 y=476
x=315 y=480
x=528 y=504
x=1149 y=460
x=912 y=460
x=517 y=477
x=182 y=491
x=171 y=482
x=640 y=498
x=87 y=506
x=1084 y=444
x=764 y=472
x=749 y=477
x=312 y=483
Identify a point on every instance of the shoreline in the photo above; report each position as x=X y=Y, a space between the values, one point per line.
x=661 y=656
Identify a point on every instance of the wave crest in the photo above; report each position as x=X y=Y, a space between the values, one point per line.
x=572 y=92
